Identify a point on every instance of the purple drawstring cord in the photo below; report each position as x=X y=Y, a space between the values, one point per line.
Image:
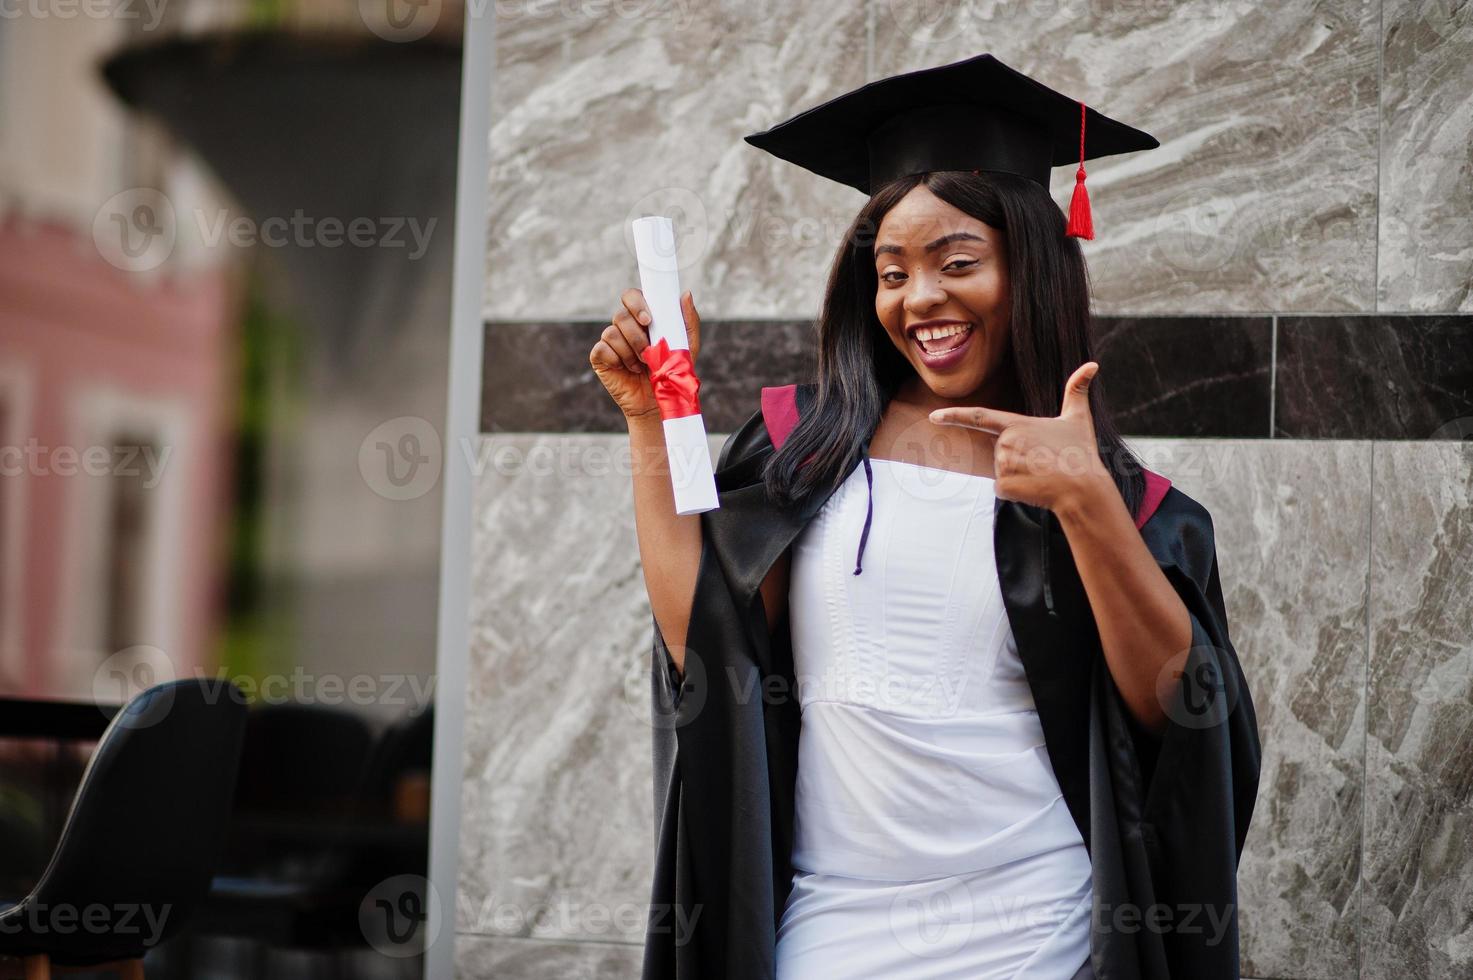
x=1048 y=592
x=870 y=511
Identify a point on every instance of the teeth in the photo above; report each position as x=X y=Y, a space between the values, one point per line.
x=936 y=333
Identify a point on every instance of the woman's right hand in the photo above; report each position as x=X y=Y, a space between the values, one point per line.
x=616 y=357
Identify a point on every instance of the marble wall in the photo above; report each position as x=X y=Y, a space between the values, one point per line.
x=1286 y=290
x=1314 y=154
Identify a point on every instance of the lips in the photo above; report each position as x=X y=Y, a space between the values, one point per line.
x=949 y=357
x=934 y=325
x=943 y=344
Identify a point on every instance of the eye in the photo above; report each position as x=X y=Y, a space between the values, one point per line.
x=954 y=264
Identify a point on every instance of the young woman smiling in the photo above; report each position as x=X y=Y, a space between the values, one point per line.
x=945 y=684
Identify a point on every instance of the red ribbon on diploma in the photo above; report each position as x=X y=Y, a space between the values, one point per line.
x=673 y=378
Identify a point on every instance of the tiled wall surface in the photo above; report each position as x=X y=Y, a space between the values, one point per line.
x=1286 y=290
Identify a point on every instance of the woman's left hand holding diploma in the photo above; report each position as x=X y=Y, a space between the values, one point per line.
x=1045 y=462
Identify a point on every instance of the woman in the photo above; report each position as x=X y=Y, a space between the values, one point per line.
x=984 y=751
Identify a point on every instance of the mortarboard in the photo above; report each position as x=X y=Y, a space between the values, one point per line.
x=976 y=114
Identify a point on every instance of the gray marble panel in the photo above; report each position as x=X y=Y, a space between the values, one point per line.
x=602 y=112
x=557 y=827
x=1292 y=529
x=480 y=958
x=1426 y=247
x=1419 y=761
x=1262 y=195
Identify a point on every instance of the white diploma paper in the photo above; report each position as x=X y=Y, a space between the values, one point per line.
x=691 y=475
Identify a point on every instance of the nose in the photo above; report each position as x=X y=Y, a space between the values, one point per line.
x=924 y=294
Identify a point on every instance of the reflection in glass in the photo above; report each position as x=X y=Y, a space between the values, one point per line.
x=224 y=332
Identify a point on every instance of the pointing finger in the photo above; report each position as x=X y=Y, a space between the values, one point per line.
x=975 y=417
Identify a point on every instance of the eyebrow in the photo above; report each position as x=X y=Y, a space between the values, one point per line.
x=956 y=236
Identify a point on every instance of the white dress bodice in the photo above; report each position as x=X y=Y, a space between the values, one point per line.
x=931 y=838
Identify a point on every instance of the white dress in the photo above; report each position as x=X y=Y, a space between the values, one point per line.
x=931 y=840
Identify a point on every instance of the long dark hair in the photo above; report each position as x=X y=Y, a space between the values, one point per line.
x=859 y=368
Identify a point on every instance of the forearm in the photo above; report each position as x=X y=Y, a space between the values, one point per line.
x=1142 y=621
x=669 y=543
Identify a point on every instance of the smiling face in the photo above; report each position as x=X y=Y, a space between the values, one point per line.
x=943 y=298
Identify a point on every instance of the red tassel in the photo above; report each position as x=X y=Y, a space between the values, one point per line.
x=1081 y=221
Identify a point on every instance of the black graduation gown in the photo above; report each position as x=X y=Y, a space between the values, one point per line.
x=1163 y=818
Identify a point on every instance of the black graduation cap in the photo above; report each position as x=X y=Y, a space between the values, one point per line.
x=976 y=114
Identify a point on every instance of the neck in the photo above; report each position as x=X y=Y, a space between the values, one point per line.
x=999 y=390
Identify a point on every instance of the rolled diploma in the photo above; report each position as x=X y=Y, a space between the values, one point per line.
x=686 y=445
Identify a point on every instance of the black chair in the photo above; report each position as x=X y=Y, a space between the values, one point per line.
x=301 y=766
x=138 y=847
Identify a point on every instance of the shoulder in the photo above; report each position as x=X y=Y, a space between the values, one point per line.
x=1172 y=505
x=1180 y=530
x=781 y=408
x=1158 y=488
x=773 y=419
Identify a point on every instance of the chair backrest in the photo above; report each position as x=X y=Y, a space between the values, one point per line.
x=301 y=763
x=145 y=826
x=303 y=760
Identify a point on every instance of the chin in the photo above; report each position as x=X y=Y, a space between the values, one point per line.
x=952 y=384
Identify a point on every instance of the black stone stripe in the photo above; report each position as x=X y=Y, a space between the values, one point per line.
x=1375 y=377
x=1325 y=377
x=537 y=378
